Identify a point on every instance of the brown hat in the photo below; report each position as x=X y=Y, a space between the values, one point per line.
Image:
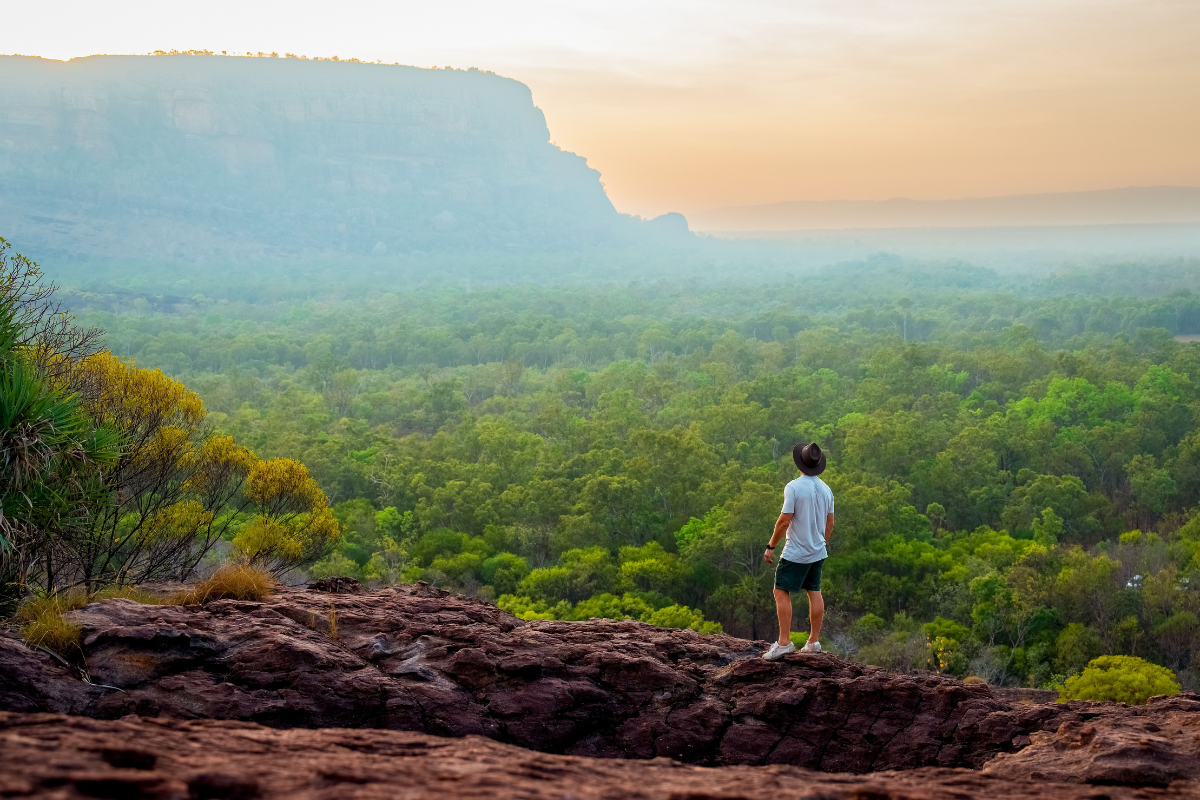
x=809 y=458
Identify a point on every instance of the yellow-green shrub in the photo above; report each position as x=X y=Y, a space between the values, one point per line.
x=1126 y=679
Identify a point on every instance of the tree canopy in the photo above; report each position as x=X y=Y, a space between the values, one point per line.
x=1014 y=459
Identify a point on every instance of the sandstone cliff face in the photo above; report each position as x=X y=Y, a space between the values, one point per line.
x=414 y=659
x=193 y=157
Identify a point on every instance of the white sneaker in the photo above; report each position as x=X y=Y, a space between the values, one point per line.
x=811 y=647
x=778 y=651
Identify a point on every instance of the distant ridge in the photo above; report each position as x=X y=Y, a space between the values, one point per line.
x=1132 y=205
x=200 y=158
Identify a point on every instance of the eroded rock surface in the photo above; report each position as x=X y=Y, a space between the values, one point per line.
x=33 y=680
x=415 y=659
x=70 y=757
x=1111 y=743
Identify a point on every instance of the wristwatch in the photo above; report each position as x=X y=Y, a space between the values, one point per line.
x=770 y=547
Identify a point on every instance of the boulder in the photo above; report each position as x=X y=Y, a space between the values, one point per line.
x=337 y=584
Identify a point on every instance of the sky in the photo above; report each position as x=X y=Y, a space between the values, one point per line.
x=687 y=106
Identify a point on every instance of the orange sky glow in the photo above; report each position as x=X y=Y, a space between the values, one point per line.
x=685 y=106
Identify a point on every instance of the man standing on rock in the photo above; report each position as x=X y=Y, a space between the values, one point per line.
x=807 y=520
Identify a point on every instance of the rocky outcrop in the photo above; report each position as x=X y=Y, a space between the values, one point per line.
x=60 y=757
x=1155 y=744
x=33 y=680
x=236 y=686
x=337 y=584
x=415 y=659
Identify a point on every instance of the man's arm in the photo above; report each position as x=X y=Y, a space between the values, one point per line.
x=781 y=526
x=828 y=528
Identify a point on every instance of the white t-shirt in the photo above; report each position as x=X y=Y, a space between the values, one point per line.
x=808 y=499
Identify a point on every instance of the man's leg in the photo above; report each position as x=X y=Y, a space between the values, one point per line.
x=783 y=607
x=816 y=614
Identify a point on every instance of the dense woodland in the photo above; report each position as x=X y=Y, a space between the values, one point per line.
x=1015 y=458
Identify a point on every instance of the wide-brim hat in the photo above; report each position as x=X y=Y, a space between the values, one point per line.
x=809 y=458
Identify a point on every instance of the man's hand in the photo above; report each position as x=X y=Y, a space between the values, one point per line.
x=781 y=526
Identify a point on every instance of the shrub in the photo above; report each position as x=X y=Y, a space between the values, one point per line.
x=899 y=651
x=334 y=564
x=460 y=567
x=1125 y=679
x=232 y=581
x=609 y=606
x=642 y=606
x=527 y=608
x=682 y=617
x=869 y=626
x=946 y=656
x=580 y=575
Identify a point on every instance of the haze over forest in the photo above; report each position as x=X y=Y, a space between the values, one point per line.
x=201 y=159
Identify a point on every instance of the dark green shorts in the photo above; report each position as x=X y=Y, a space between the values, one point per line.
x=792 y=577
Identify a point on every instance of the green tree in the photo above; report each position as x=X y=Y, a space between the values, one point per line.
x=1178 y=637
x=388 y=562
x=504 y=572
x=581 y=574
x=1077 y=645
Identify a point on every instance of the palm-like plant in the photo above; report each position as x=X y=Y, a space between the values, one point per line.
x=50 y=449
x=47 y=444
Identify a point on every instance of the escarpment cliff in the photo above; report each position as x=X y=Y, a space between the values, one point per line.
x=414 y=659
x=192 y=158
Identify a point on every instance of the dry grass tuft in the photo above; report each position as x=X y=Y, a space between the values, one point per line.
x=43 y=624
x=233 y=582
x=133 y=593
x=58 y=603
x=333 y=622
x=972 y=680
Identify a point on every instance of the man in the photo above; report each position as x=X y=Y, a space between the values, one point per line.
x=807 y=520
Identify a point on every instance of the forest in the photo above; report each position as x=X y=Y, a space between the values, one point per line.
x=1014 y=458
